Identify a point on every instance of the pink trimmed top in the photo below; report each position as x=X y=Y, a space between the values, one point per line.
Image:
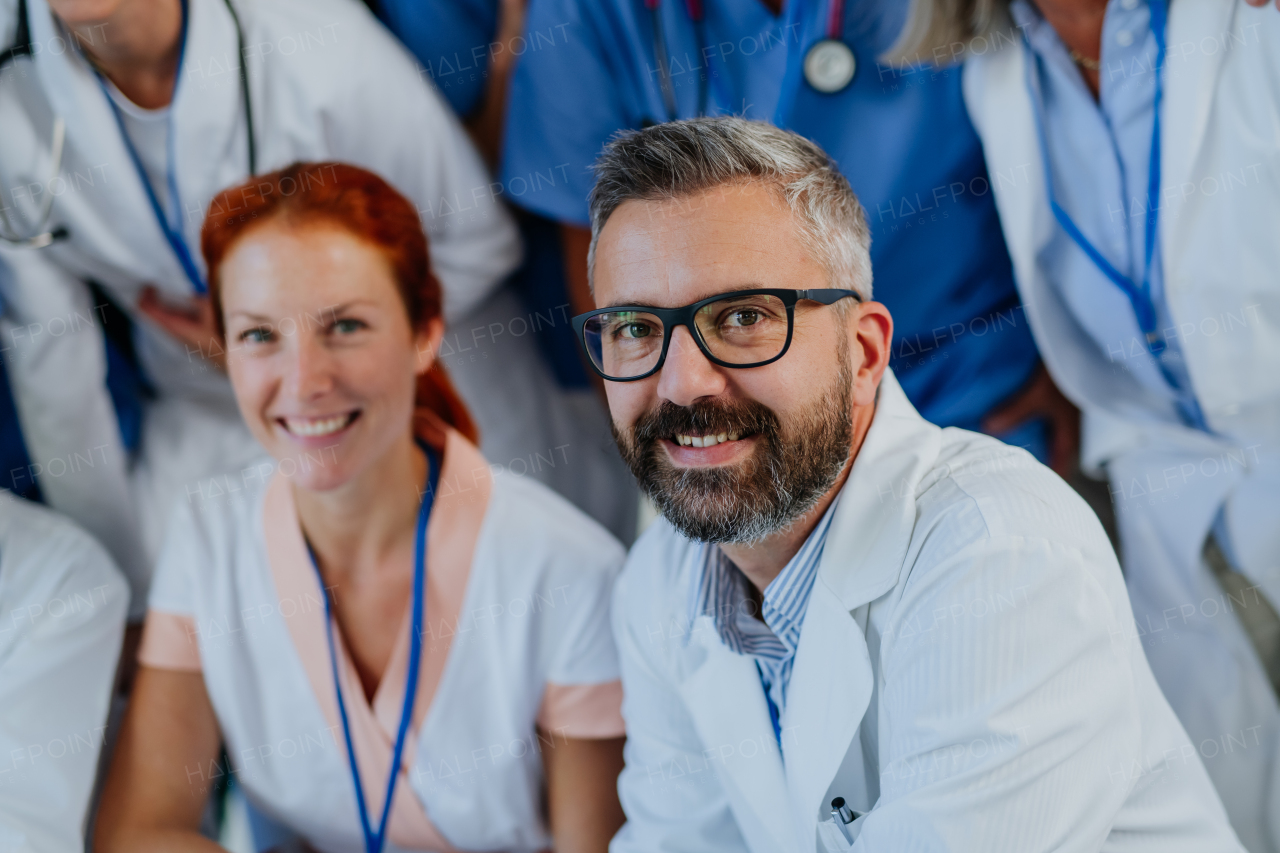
x=578 y=711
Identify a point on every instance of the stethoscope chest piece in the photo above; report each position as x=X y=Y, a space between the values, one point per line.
x=829 y=66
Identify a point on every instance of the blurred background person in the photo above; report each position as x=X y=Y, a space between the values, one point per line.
x=1140 y=141
x=399 y=560
x=62 y=611
x=122 y=119
x=469 y=49
x=963 y=352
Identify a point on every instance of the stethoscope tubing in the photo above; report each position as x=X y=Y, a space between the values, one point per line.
x=696 y=14
x=42 y=235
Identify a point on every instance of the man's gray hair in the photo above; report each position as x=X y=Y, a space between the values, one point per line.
x=685 y=158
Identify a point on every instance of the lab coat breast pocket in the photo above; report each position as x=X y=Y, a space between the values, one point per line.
x=832 y=840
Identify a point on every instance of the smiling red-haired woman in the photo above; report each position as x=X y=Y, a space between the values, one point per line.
x=363 y=204
x=324 y=599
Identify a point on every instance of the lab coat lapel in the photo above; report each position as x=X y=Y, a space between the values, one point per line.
x=95 y=149
x=1191 y=78
x=872 y=526
x=722 y=692
x=833 y=677
x=831 y=685
x=996 y=96
x=211 y=150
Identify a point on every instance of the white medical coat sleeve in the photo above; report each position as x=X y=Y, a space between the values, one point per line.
x=1011 y=718
x=670 y=792
x=406 y=132
x=54 y=352
x=62 y=611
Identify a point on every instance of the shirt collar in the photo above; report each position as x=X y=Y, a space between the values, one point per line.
x=723 y=592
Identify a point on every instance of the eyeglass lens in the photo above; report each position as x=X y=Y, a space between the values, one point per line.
x=738 y=331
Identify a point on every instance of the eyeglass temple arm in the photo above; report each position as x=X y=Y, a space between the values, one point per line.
x=828 y=295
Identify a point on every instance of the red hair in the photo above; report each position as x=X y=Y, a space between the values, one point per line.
x=368 y=207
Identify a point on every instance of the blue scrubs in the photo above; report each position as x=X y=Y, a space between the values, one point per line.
x=454 y=41
x=16 y=473
x=902 y=138
x=126 y=385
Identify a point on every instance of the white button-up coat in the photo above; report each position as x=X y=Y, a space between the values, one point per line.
x=1220 y=192
x=968 y=675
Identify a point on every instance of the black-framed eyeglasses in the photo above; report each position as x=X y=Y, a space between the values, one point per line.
x=744 y=328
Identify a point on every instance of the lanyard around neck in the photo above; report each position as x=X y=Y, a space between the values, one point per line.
x=170 y=222
x=774 y=716
x=374 y=842
x=1138 y=292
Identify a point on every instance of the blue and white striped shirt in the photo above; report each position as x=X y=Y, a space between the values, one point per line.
x=724 y=594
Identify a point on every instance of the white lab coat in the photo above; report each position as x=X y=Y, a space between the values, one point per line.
x=62 y=608
x=967 y=676
x=328 y=83
x=1220 y=161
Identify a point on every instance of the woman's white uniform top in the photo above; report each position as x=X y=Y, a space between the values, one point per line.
x=516 y=648
x=327 y=83
x=62 y=606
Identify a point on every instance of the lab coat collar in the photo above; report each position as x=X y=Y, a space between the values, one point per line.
x=872 y=527
x=832 y=679
x=210 y=150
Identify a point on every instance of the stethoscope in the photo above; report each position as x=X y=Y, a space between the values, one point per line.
x=829 y=63
x=42 y=234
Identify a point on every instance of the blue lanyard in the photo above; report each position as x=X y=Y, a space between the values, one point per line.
x=1139 y=294
x=374 y=842
x=774 y=716
x=172 y=230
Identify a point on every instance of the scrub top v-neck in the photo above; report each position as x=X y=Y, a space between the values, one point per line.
x=505 y=610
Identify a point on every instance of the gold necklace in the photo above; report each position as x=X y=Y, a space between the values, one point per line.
x=1085 y=62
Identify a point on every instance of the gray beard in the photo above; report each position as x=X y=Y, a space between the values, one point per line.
x=783 y=479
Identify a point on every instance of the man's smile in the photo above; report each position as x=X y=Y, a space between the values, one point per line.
x=698 y=451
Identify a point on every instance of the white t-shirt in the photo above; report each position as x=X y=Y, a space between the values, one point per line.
x=148 y=131
x=516 y=640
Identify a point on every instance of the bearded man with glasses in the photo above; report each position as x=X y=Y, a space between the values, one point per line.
x=852 y=630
